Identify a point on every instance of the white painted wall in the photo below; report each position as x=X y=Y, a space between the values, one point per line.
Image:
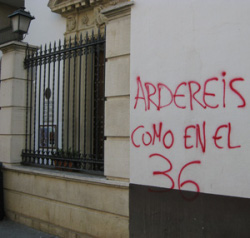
x=183 y=41
x=47 y=26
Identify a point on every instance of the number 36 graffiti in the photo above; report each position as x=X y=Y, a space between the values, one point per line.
x=180 y=183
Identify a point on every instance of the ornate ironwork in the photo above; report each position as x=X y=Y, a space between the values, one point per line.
x=65 y=105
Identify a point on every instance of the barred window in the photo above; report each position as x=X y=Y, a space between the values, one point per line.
x=65 y=105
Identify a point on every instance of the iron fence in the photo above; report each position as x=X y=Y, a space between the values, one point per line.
x=65 y=105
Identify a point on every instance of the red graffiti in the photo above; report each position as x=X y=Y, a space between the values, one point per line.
x=132 y=136
x=194 y=136
x=180 y=184
x=199 y=139
x=237 y=92
x=165 y=173
x=216 y=137
x=166 y=138
x=205 y=93
x=140 y=89
x=192 y=96
x=161 y=86
x=213 y=93
x=152 y=95
x=179 y=95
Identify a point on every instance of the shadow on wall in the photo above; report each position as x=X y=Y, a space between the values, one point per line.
x=7 y=7
x=158 y=212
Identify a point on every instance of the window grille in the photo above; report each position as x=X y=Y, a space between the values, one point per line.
x=65 y=105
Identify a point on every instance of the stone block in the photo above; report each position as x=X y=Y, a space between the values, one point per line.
x=11 y=147
x=117 y=116
x=86 y=221
x=118 y=37
x=117 y=158
x=13 y=93
x=12 y=121
x=104 y=198
x=13 y=64
x=117 y=77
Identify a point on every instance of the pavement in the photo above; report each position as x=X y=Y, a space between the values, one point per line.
x=10 y=229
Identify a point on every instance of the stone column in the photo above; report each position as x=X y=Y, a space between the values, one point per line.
x=117 y=91
x=12 y=102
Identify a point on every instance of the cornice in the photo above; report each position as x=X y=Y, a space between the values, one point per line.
x=16 y=46
x=118 y=10
x=66 y=6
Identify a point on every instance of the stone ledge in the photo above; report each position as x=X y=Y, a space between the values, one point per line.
x=117 y=56
x=15 y=45
x=91 y=179
x=119 y=10
x=118 y=97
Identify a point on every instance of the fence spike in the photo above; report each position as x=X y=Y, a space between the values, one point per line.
x=69 y=41
x=64 y=43
x=81 y=38
x=40 y=50
x=59 y=44
x=75 y=40
x=60 y=65
x=50 y=47
x=87 y=36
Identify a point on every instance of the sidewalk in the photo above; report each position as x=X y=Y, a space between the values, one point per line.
x=10 y=229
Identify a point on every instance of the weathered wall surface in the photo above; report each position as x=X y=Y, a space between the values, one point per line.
x=190 y=83
x=67 y=205
x=117 y=92
x=61 y=203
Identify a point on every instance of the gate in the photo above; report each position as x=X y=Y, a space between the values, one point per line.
x=65 y=105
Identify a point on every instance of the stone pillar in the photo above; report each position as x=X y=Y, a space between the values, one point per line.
x=117 y=91
x=12 y=102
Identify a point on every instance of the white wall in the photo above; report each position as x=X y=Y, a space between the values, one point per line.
x=47 y=26
x=189 y=42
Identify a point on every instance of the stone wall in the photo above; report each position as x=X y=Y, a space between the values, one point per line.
x=63 y=203
x=117 y=91
x=66 y=204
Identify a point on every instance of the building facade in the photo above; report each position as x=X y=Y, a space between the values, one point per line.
x=163 y=152
x=69 y=204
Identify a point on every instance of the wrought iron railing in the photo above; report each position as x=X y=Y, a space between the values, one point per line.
x=65 y=105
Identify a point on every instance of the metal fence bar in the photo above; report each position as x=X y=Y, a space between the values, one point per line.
x=35 y=106
x=58 y=95
x=68 y=124
x=44 y=86
x=65 y=105
x=97 y=98
x=47 y=97
x=91 y=97
x=39 y=97
x=86 y=51
x=63 y=92
x=79 y=94
x=74 y=97
x=53 y=96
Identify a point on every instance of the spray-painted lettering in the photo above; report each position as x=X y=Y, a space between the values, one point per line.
x=198 y=95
